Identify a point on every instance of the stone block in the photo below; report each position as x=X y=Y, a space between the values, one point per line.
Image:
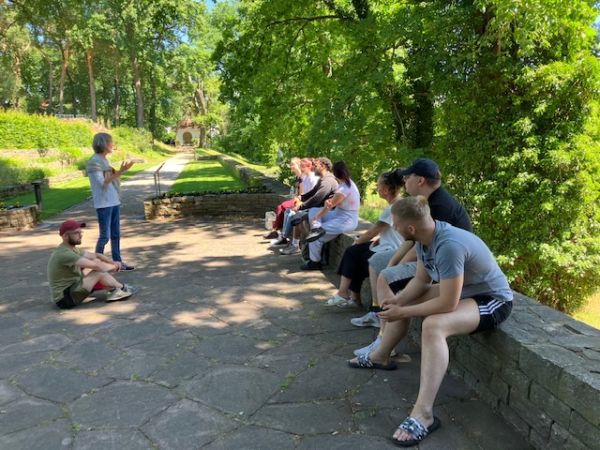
x=514 y=419
x=580 y=389
x=534 y=416
x=585 y=431
x=547 y=402
x=544 y=363
x=561 y=439
x=499 y=388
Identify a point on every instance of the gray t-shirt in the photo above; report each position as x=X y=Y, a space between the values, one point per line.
x=454 y=251
x=104 y=197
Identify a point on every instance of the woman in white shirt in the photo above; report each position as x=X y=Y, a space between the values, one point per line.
x=354 y=266
x=339 y=215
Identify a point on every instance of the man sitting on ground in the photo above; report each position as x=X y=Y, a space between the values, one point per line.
x=473 y=295
x=68 y=284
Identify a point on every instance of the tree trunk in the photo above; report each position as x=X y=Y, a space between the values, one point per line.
x=117 y=98
x=63 y=73
x=201 y=105
x=17 y=79
x=50 y=86
x=152 y=111
x=89 y=57
x=137 y=85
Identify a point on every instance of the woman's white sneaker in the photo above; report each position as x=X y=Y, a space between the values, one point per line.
x=338 y=300
x=370 y=319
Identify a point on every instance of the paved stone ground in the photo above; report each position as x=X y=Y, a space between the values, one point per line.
x=226 y=346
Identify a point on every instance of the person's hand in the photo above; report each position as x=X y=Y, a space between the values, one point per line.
x=388 y=301
x=117 y=266
x=328 y=204
x=391 y=313
x=125 y=166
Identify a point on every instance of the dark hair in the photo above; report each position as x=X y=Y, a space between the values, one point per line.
x=325 y=161
x=393 y=179
x=341 y=172
x=100 y=142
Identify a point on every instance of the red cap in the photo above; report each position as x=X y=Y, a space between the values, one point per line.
x=70 y=225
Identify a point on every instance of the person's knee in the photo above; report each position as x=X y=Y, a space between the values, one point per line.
x=432 y=327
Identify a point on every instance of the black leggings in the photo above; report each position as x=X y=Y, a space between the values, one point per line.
x=355 y=264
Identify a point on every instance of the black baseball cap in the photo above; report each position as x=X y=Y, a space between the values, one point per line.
x=423 y=167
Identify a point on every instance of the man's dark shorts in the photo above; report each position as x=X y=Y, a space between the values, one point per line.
x=492 y=312
x=73 y=296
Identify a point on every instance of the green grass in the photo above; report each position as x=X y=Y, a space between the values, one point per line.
x=57 y=198
x=206 y=176
x=590 y=313
x=272 y=171
x=372 y=205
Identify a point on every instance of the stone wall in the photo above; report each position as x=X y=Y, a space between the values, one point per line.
x=253 y=177
x=17 y=219
x=250 y=205
x=540 y=370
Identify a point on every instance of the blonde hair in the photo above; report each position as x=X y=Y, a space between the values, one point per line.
x=295 y=160
x=411 y=209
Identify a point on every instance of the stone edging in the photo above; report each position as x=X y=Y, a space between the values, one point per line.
x=17 y=219
x=540 y=369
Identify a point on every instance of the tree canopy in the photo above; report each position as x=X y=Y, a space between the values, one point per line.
x=503 y=94
x=141 y=63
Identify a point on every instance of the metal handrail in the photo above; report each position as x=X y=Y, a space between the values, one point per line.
x=157 y=180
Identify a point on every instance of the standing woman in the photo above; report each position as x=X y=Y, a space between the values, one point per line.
x=105 y=184
x=338 y=215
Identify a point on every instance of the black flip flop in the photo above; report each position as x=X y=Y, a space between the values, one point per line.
x=416 y=429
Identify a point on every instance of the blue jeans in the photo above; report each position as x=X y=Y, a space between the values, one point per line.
x=110 y=226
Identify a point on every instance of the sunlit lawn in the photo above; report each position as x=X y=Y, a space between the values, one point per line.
x=271 y=171
x=64 y=195
x=206 y=176
x=590 y=313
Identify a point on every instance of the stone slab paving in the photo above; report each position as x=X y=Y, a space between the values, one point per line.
x=226 y=346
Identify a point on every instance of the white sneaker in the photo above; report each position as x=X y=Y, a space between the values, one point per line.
x=119 y=294
x=290 y=250
x=369 y=348
x=338 y=300
x=370 y=319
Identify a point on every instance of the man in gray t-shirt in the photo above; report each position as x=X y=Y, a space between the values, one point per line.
x=471 y=294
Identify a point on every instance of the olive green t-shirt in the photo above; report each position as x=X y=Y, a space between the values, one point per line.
x=62 y=271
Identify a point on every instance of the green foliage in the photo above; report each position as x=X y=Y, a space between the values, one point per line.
x=504 y=95
x=20 y=130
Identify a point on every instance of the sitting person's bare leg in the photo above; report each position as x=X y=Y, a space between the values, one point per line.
x=90 y=280
x=373 y=279
x=434 y=357
x=344 y=289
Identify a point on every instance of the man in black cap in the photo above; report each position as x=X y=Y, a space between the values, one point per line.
x=69 y=286
x=424 y=178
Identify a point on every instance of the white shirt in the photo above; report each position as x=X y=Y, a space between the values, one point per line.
x=351 y=195
x=389 y=239
x=309 y=181
x=104 y=196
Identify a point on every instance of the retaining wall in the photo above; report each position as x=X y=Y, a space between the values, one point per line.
x=212 y=205
x=17 y=219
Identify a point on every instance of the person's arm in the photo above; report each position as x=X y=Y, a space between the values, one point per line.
x=407 y=248
x=324 y=187
x=447 y=301
x=103 y=258
x=331 y=203
x=111 y=176
x=371 y=233
x=95 y=264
